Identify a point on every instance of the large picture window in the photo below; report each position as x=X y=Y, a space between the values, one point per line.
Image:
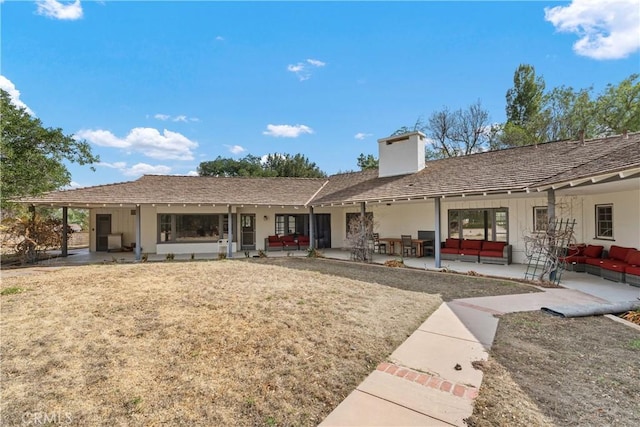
x=604 y=221
x=185 y=228
x=479 y=224
x=292 y=224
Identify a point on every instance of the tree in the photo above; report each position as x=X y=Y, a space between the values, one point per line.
x=32 y=156
x=524 y=124
x=459 y=133
x=247 y=166
x=524 y=99
x=292 y=166
x=618 y=107
x=273 y=165
x=367 y=162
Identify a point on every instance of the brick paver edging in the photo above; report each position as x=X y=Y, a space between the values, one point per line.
x=459 y=390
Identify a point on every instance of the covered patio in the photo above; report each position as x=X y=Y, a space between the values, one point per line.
x=584 y=282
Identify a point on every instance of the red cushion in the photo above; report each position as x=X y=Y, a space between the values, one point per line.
x=493 y=246
x=303 y=239
x=274 y=239
x=578 y=259
x=288 y=238
x=469 y=251
x=495 y=254
x=449 y=250
x=618 y=252
x=593 y=251
x=452 y=243
x=594 y=261
x=633 y=257
x=618 y=266
x=630 y=269
x=472 y=244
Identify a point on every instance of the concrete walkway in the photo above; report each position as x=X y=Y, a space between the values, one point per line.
x=430 y=379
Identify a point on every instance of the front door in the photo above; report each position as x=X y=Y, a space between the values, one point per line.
x=323 y=230
x=248 y=230
x=103 y=229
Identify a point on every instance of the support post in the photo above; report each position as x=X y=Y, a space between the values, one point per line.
x=551 y=204
x=65 y=234
x=438 y=233
x=230 y=234
x=312 y=229
x=138 y=251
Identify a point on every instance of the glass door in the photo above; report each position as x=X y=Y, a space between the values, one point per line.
x=248 y=230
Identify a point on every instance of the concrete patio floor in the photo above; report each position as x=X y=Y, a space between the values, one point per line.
x=429 y=380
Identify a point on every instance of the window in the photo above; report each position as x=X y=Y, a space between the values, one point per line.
x=292 y=224
x=185 y=228
x=540 y=218
x=604 y=221
x=479 y=224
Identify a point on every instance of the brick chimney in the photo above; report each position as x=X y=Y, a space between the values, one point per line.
x=401 y=154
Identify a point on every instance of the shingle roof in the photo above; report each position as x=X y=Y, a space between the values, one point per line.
x=514 y=169
x=191 y=190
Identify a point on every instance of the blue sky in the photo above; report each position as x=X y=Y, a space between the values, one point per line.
x=158 y=87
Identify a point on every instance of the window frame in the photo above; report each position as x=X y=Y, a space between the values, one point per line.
x=536 y=212
x=171 y=220
x=598 y=222
x=457 y=217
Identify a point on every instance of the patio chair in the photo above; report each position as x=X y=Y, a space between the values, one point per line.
x=408 y=249
x=379 y=248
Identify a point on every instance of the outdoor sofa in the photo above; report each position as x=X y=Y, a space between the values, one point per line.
x=614 y=265
x=286 y=242
x=471 y=250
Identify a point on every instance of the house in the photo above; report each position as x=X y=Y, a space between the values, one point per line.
x=500 y=195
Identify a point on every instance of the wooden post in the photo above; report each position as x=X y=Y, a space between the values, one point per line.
x=65 y=234
x=437 y=238
x=312 y=229
x=138 y=251
x=230 y=234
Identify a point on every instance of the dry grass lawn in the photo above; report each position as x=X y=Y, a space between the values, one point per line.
x=201 y=343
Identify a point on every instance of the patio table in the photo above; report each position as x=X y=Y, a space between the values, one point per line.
x=392 y=242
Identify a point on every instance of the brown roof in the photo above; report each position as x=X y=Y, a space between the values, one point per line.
x=514 y=169
x=191 y=190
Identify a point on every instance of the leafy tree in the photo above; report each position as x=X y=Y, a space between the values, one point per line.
x=524 y=123
x=367 y=162
x=618 y=107
x=293 y=166
x=32 y=156
x=247 y=166
x=273 y=165
x=524 y=99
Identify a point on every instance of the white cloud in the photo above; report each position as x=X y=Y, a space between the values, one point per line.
x=8 y=86
x=236 y=149
x=138 y=169
x=148 y=141
x=302 y=69
x=219 y=38
x=607 y=29
x=287 y=131
x=316 y=63
x=60 y=10
x=361 y=135
x=193 y=173
x=179 y=118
